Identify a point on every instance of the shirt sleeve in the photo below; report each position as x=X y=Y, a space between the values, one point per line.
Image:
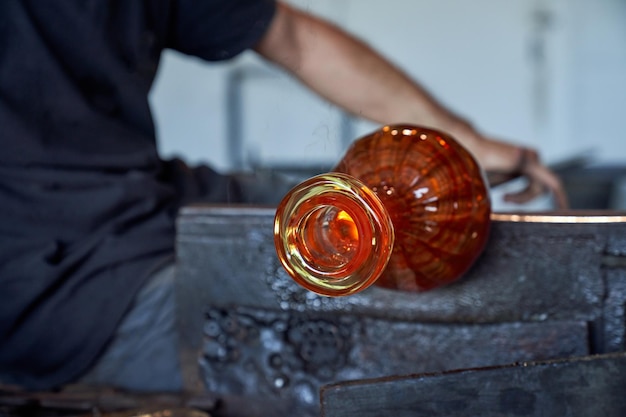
x=219 y=29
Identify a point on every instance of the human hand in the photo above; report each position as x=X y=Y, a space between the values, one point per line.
x=540 y=179
x=503 y=161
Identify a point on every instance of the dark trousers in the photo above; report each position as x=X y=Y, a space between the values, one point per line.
x=143 y=354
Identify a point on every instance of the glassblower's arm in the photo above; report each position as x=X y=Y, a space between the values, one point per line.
x=350 y=74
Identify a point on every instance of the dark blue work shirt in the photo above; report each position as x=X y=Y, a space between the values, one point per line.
x=87 y=207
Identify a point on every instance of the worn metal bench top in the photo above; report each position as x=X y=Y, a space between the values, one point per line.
x=548 y=286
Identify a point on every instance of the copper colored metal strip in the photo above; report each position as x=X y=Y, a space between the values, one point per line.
x=562 y=217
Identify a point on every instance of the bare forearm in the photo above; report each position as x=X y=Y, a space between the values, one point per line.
x=350 y=74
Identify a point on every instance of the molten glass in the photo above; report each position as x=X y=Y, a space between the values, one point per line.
x=406 y=208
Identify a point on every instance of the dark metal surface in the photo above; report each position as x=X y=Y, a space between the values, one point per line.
x=290 y=356
x=541 y=290
x=582 y=387
x=79 y=401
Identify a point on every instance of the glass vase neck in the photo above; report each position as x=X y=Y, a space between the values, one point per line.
x=333 y=235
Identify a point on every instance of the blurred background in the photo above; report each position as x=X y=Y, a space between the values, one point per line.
x=550 y=74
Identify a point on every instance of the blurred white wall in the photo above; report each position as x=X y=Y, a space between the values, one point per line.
x=546 y=73
x=595 y=100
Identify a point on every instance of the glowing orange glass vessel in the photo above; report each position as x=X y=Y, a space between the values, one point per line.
x=406 y=208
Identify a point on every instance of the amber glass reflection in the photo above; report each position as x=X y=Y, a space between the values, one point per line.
x=431 y=193
x=333 y=234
